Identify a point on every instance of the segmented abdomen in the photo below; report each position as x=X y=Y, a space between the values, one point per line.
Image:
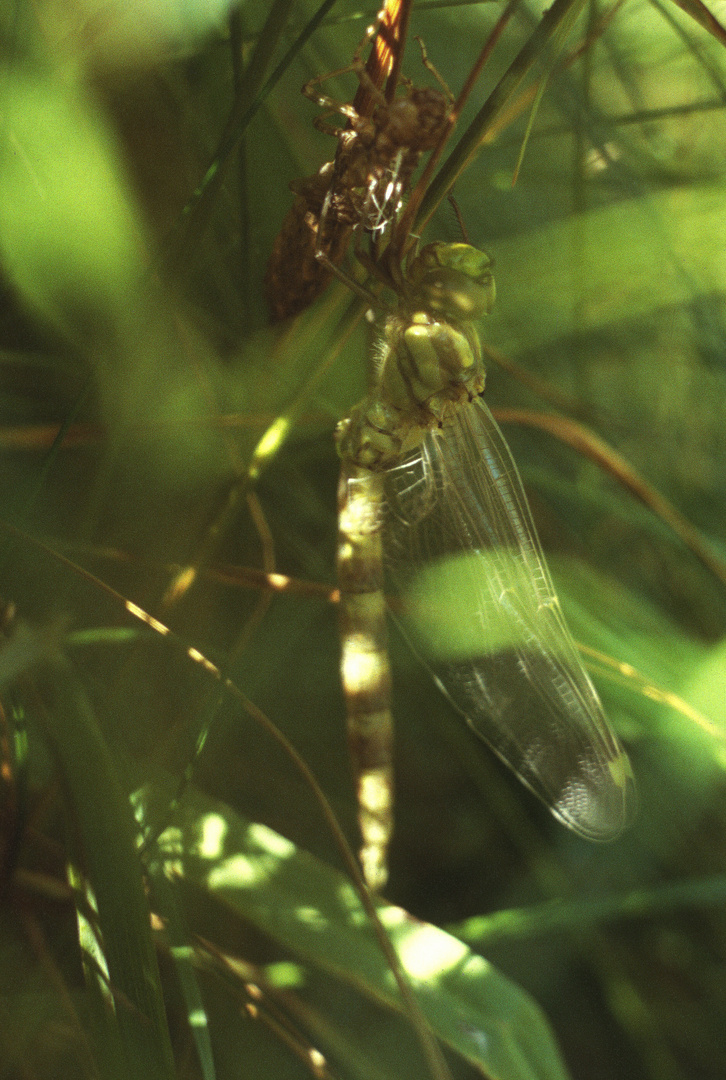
x=365 y=669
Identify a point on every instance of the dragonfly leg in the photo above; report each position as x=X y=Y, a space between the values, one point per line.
x=358 y=67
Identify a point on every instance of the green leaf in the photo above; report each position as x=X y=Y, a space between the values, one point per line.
x=313 y=910
x=69 y=237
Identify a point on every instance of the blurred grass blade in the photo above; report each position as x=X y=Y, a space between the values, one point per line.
x=243 y=116
x=557 y=916
x=102 y=816
x=539 y=94
x=313 y=910
x=596 y=449
x=27 y=647
x=625 y=675
x=552 y=55
x=247 y=85
x=180 y=946
x=705 y=18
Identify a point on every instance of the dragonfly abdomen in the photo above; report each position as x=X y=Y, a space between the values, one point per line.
x=365 y=669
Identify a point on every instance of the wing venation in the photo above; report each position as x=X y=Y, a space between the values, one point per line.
x=478 y=606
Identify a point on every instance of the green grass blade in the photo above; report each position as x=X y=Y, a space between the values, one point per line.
x=105 y=826
x=178 y=936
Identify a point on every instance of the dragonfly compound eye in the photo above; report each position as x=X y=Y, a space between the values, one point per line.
x=454 y=295
x=453 y=280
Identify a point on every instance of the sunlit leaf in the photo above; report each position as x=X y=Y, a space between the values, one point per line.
x=314 y=911
x=69 y=234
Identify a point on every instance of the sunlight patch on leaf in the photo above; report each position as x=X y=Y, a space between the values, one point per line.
x=268 y=840
x=429 y=953
x=285 y=975
x=91 y=945
x=311 y=917
x=171 y=841
x=241 y=872
x=213 y=829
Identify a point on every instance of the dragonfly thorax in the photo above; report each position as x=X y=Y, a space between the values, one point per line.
x=428 y=365
x=430 y=359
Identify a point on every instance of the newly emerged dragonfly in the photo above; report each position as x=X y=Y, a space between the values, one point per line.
x=429 y=488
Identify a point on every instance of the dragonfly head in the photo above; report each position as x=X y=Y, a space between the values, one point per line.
x=454 y=281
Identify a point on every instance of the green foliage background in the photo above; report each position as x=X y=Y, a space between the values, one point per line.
x=139 y=333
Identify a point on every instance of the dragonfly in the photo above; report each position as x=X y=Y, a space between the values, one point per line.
x=432 y=509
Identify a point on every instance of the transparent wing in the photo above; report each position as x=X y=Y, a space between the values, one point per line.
x=477 y=604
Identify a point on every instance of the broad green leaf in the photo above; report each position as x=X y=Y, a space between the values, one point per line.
x=579 y=274
x=313 y=910
x=129 y=33
x=68 y=234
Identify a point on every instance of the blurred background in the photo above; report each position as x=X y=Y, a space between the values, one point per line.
x=139 y=371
